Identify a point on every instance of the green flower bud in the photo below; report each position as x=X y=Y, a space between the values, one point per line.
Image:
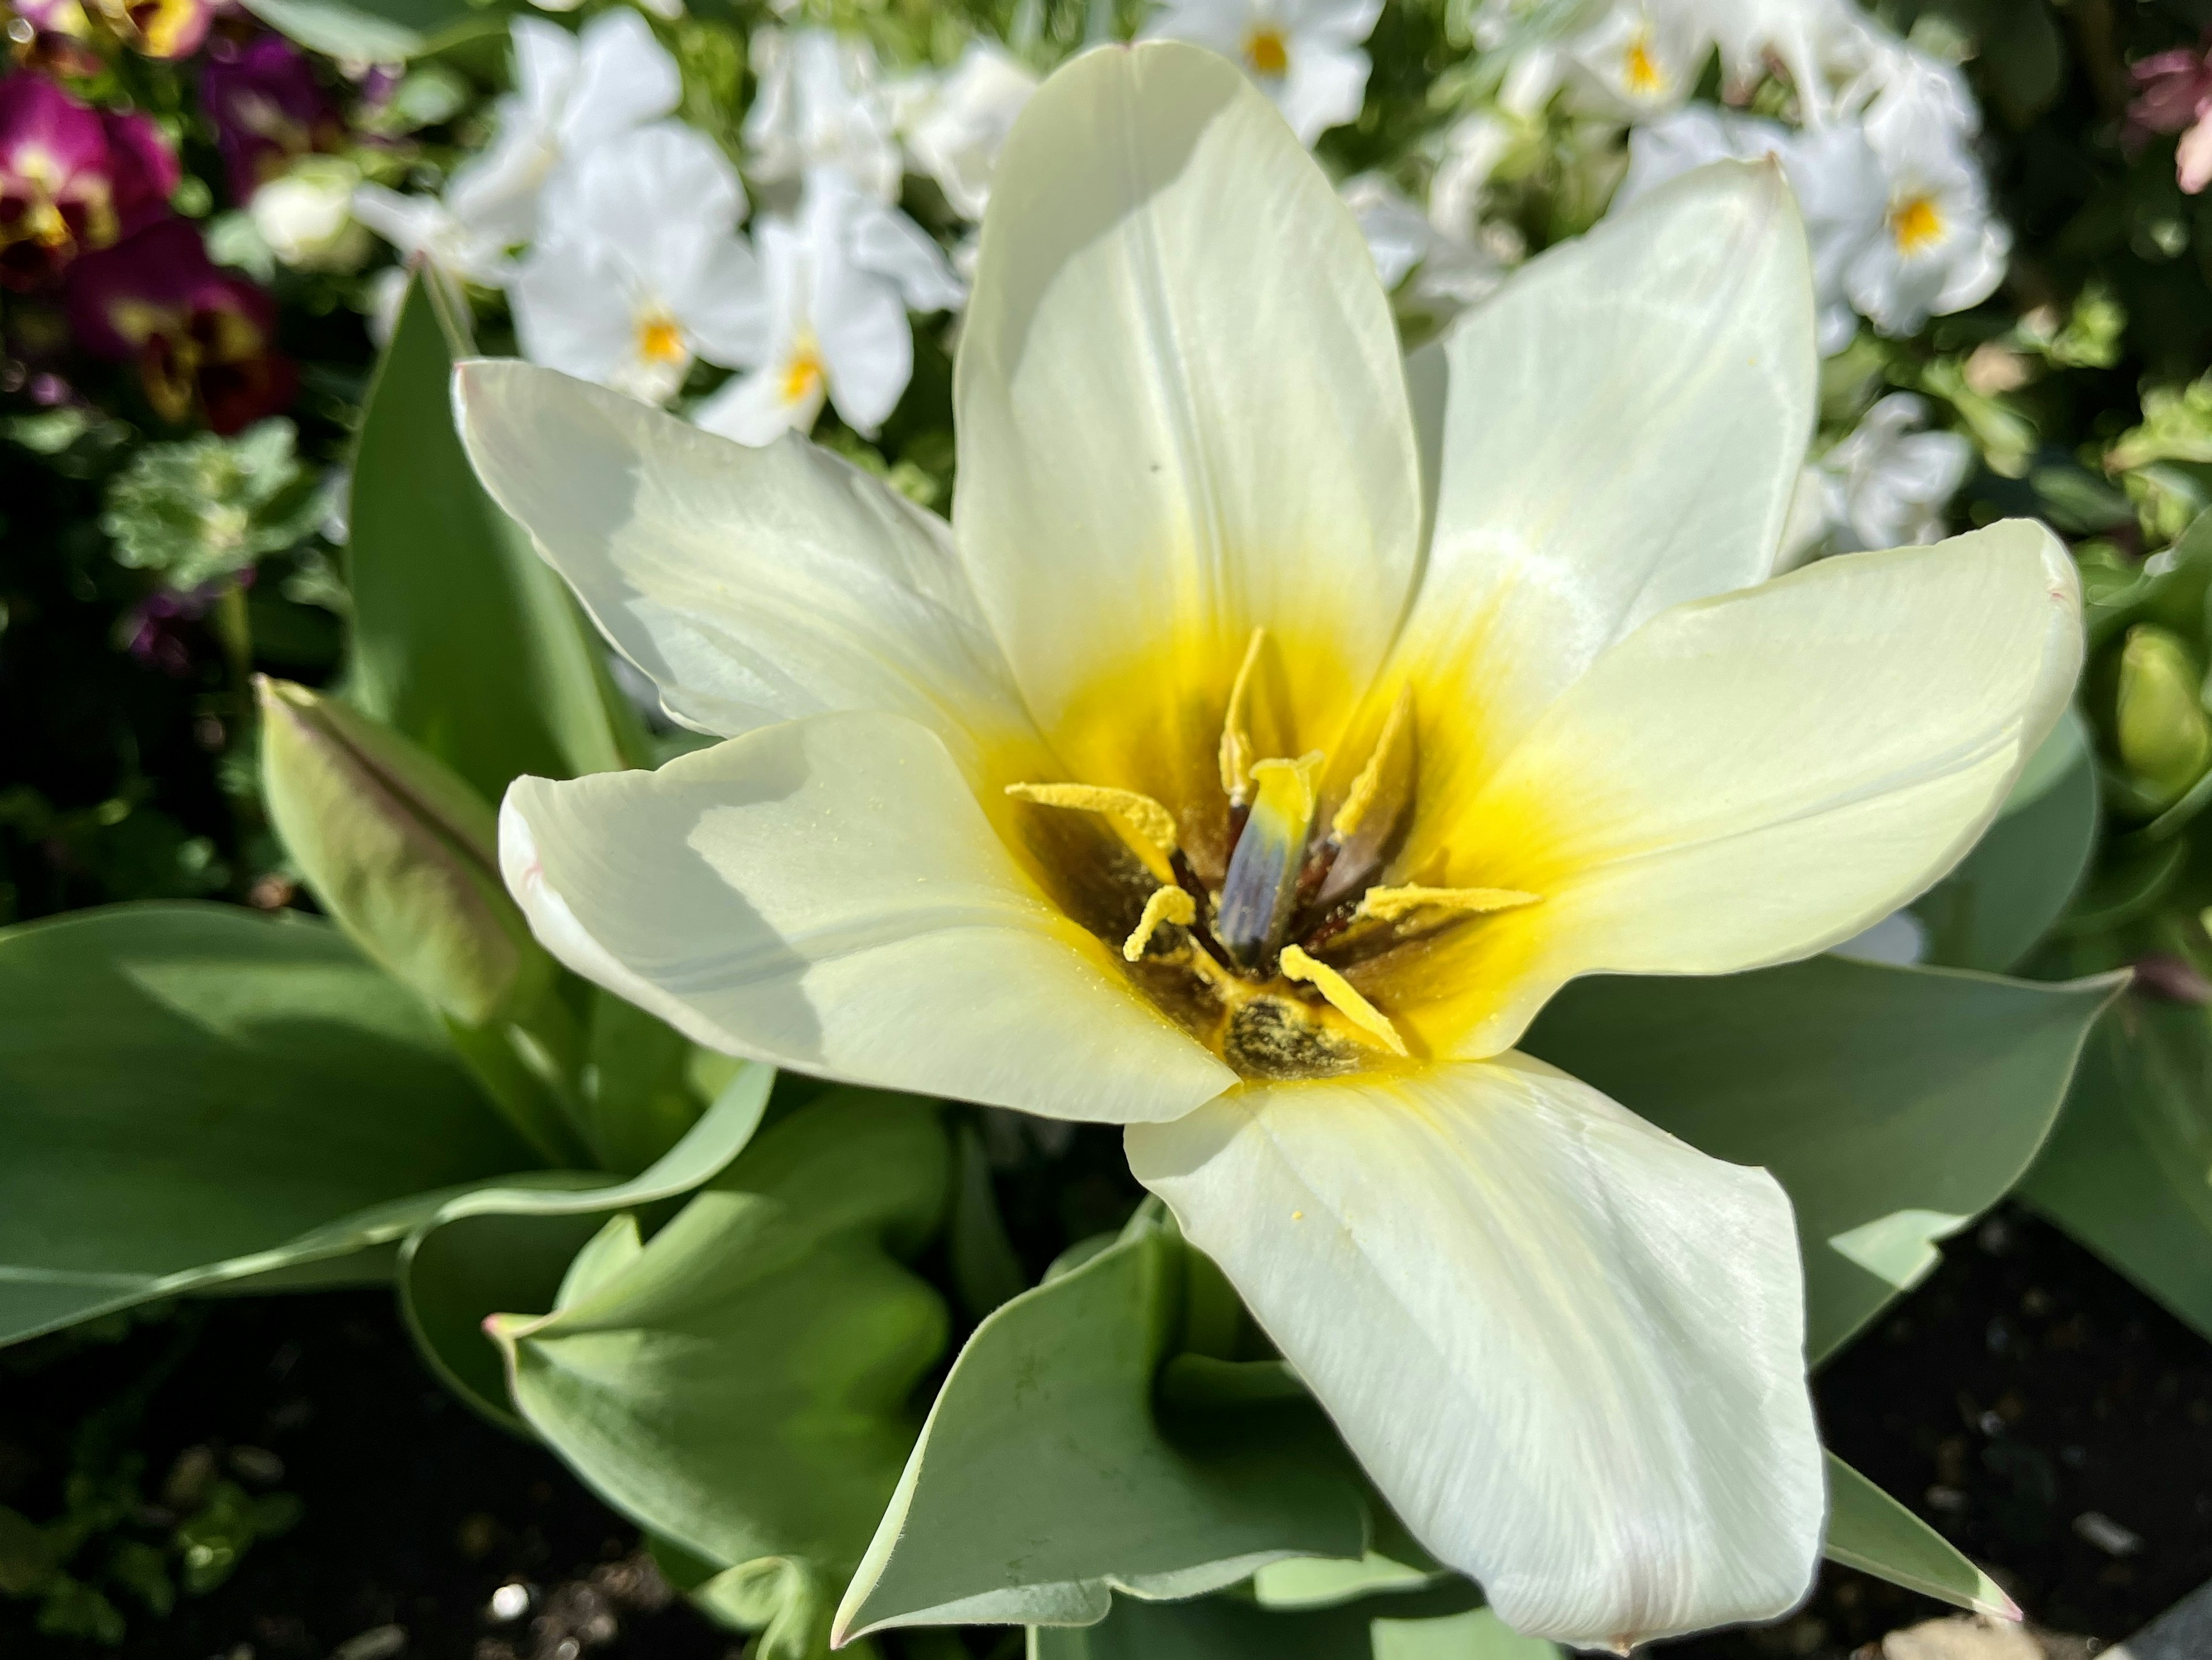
x=400 y=851
x=2164 y=735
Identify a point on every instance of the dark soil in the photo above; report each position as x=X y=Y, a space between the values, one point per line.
x=2024 y=1387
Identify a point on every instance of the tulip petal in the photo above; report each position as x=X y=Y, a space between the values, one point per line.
x=827 y=895
x=1568 y=1347
x=753 y=585
x=1181 y=416
x=1624 y=423
x=1749 y=779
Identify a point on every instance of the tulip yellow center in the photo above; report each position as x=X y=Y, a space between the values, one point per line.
x=1917 y=223
x=1267 y=52
x=1270 y=916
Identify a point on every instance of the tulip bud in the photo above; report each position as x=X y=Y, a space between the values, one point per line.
x=400 y=851
x=2164 y=735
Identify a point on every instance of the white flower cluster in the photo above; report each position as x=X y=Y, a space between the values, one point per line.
x=620 y=234
x=1877 y=147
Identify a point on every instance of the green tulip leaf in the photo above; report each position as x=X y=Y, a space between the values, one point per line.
x=508 y=1246
x=741 y=1383
x=463 y=639
x=1399 y=1626
x=2005 y=895
x=1072 y=1451
x=1893 y=1104
x=193 y=1094
x=2129 y=1170
x=1871 y=1531
x=376 y=31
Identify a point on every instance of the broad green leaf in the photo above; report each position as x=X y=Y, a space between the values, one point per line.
x=985 y=1272
x=463 y=638
x=1871 y=1531
x=1072 y=1451
x=1403 y=1626
x=637 y=1088
x=190 y=1094
x=376 y=31
x=2129 y=1170
x=508 y=1246
x=1893 y=1104
x=741 y=1383
x=2006 y=894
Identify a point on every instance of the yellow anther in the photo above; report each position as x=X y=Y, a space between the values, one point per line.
x=1387 y=905
x=1166 y=905
x=1359 y=800
x=1151 y=826
x=1346 y=1001
x=1236 y=727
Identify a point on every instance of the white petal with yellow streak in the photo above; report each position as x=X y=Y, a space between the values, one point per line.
x=753 y=585
x=827 y=895
x=1615 y=431
x=1750 y=778
x=1568 y=1347
x=1182 y=412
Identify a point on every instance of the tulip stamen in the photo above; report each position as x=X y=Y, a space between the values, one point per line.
x=1342 y=997
x=1237 y=754
x=1389 y=904
x=1148 y=827
x=1166 y=906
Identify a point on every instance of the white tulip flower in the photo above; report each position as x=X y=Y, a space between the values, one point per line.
x=840 y=278
x=822 y=103
x=1304 y=54
x=572 y=93
x=1884 y=483
x=955 y=122
x=1218 y=774
x=638 y=269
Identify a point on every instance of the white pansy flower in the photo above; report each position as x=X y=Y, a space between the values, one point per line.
x=822 y=102
x=1639 y=62
x=1448 y=272
x=956 y=122
x=1304 y=54
x=1473 y=147
x=1939 y=249
x=1811 y=41
x=1021 y=810
x=572 y=93
x=638 y=270
x=306 y=215
x=1885 y=484
x=1398 y=233
x=840 y=278
x=1841 y=190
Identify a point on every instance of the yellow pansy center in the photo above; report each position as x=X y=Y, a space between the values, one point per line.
x=1276 y=916
x=802 y=375
x=1266 y=52
x=1917 y=223
x=1639 y=70
x=661 y=341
